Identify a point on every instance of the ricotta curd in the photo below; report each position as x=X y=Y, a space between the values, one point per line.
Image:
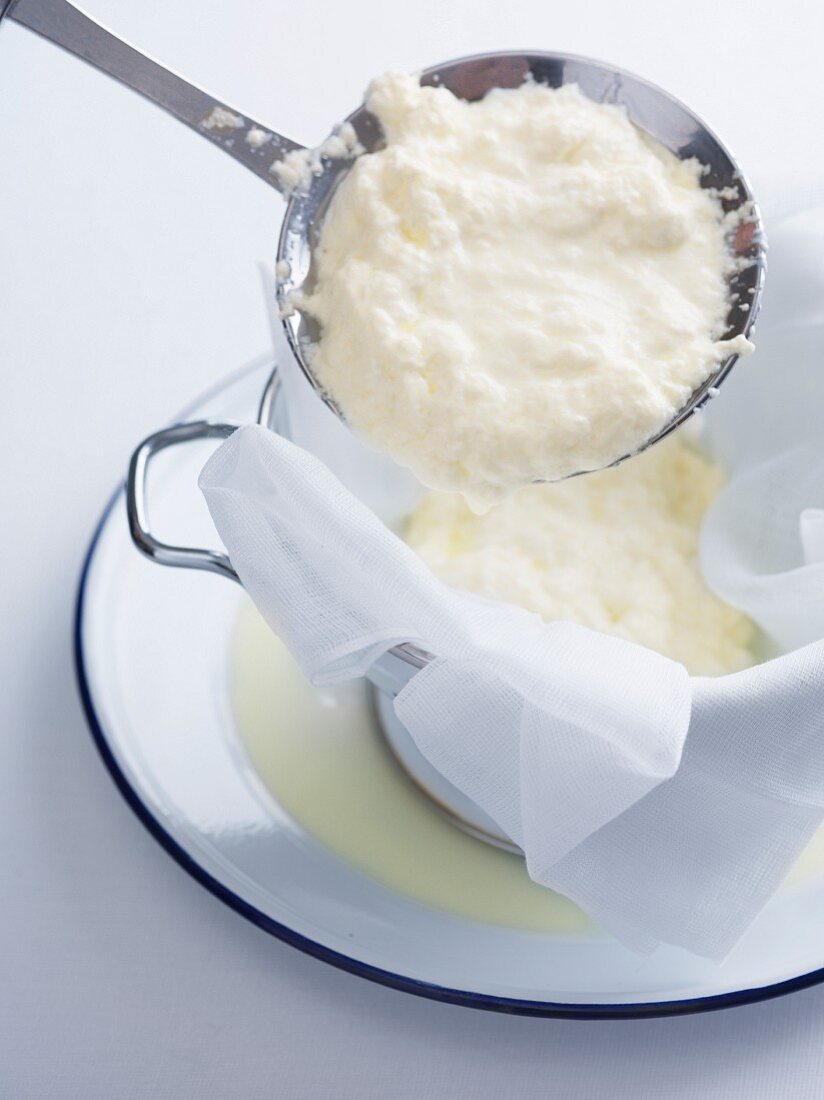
x=515 y=289
x=615 y=551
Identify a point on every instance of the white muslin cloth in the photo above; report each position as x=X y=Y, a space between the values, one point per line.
x=670 y=808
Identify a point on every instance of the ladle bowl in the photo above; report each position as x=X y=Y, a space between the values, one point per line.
x=650 y=108
x=262 y=149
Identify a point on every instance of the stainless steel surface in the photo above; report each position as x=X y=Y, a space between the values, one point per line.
x=63 y=24
x=164 y=553
x=272 y=411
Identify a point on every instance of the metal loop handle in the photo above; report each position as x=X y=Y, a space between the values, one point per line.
x=183 y=557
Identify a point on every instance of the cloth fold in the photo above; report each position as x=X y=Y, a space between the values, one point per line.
x=509 y=709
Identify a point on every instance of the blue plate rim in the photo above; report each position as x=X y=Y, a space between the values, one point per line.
x=468 y=999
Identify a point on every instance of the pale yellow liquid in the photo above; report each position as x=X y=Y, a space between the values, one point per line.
x=323 y=760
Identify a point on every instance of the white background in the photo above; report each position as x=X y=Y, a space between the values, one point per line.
x=131 y=259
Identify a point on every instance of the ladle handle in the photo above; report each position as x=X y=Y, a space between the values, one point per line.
x=255 y=146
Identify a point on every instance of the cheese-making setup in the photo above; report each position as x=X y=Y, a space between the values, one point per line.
x=484 y=478
x=671 y=124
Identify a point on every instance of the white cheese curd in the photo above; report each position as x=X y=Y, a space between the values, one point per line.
x=221 y=118
x=615 y=551
x=515 y=289
x=294 y=172
x=257 y=137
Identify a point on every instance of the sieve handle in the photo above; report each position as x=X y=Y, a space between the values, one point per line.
x=65 y=25
x=164 y=553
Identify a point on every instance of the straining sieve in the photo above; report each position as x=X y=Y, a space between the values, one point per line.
x=390 y=673
x=261 y=149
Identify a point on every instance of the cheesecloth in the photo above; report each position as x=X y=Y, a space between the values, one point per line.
x=669 y=808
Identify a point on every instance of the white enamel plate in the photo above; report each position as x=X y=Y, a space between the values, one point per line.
x=157 y=659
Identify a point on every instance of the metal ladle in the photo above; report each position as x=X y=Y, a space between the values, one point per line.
x=653 y=110
x=260 y=149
